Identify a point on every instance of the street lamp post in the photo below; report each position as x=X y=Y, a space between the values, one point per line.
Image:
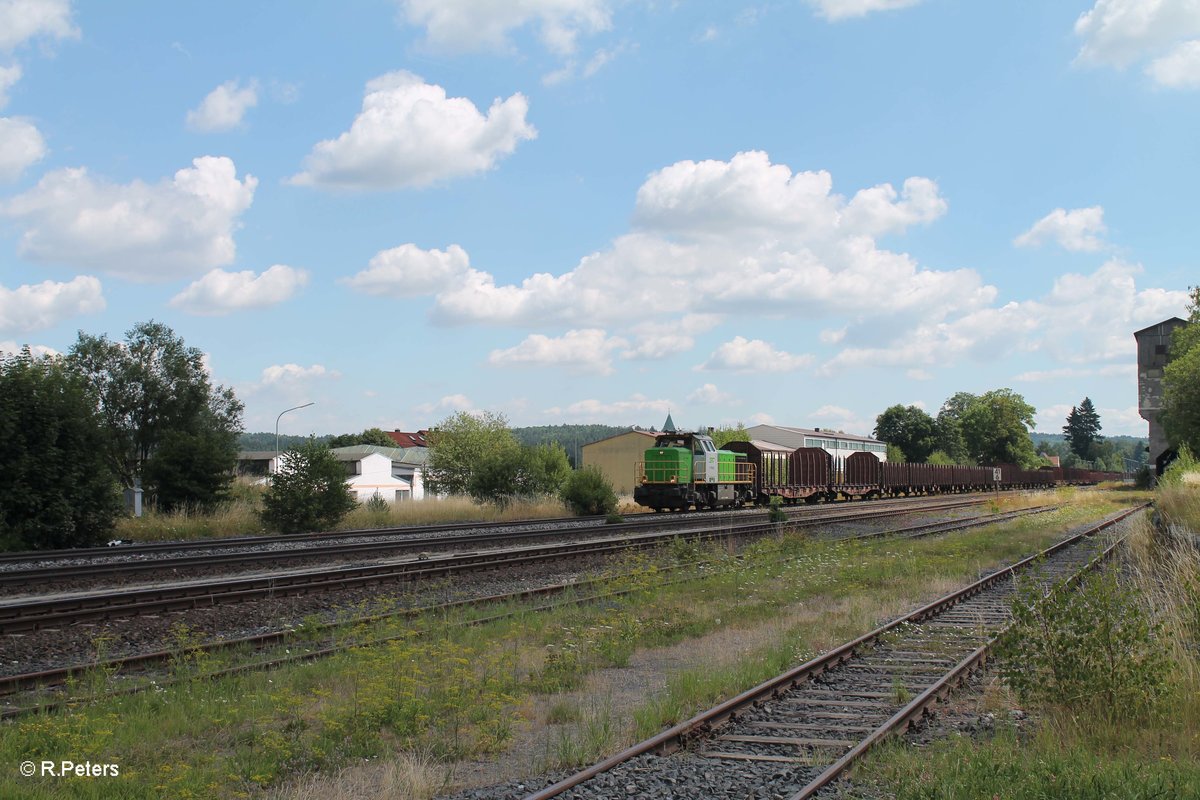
x=281 y=413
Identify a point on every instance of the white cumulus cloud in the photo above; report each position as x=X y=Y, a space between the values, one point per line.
x=623 y=411
x=21 y=146
x=1084 y=319
x=224 y=107
x=448 y=403
x=1163 y=34
x=8 y=79
x=219 y=292
x=1078 y=230
x=138 y=231
x=10 y=347
x=746 y=234
x=42 y=305
x=708 y=394
x=754 y=355
x=410 y=134
x=22 y=20
x=589 y=350
x=834 y=10
x=409 y=271
x=281 y=374
x=472 y=25
x=1179 y=68
x=659 y=340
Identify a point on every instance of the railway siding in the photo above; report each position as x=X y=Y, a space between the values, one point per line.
x=796 y=733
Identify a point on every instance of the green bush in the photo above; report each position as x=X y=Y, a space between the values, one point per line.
x=1094 y=649
x=588 y=492
x=56 y=488
x=309 y=491
x=1184 y=463
x=376 y=504
x=775 y=512
x=499 y=477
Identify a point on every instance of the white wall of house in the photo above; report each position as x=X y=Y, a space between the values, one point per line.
x=414 y=475
x=374 y=476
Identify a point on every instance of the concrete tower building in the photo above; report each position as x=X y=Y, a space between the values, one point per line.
x=1153 y=347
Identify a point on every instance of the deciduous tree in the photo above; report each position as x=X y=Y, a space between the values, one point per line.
x=459 y=443
x=996 y=427
x=949 y=426
x=725 y=434
x=1181 y=382
x=910 y=429
x=153 y=390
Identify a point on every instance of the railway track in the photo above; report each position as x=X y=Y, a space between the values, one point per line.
x=43 y=679
x=29 y=614
x=795 y=734
x=122 y=570
x=418 y=536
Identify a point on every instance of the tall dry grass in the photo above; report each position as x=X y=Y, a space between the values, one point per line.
x=409 y=776
x=434 y=511
x=240 y=517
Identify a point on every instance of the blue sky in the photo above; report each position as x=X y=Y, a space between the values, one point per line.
x=599 y=210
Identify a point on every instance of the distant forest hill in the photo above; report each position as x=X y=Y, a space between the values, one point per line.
x=571 y=437
x=266 y=441
x=1039 y=437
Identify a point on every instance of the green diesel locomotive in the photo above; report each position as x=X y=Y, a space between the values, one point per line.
x=683 y=470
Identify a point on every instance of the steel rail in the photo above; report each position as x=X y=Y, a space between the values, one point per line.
x=40 y=575
x=45 y=678
x=702 y=724
x=255 y=541
x=921 y=704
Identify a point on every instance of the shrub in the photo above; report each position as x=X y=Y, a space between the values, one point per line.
x=56 y=489
x=1095 y=649
x=1184 y=463
x=376 y=504
x=502 y=476
x=775 y=512
x=588 y=492
x=309 y=491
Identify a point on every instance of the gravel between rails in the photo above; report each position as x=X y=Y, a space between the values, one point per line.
x=80 y=643
x=841 y=700
x=289 y=558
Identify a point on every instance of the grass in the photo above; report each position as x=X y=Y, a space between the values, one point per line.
x=451 y=692
x=239 y=517
x=1075 y=750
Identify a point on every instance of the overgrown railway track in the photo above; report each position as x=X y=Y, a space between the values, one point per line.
x=581 y=592
x=32 y=613
x=173 y=567
x=795 y=734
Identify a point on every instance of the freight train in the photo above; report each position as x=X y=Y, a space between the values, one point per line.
x=686 y=470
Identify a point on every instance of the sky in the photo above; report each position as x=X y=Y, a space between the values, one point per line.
x=596 y=211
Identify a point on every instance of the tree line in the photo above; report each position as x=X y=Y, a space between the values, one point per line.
x=991 y=428
x=995 y=428
x=75 y=429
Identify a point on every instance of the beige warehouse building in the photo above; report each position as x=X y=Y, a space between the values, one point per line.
x=617 y=457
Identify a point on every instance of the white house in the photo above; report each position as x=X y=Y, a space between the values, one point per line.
x=394 y=473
